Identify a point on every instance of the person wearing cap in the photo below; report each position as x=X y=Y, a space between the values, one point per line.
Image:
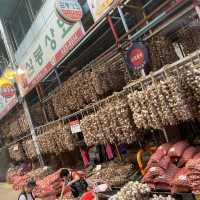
x=26 y=193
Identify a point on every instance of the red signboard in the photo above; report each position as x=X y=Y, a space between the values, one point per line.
x=70 y=10
x=137 y=56
x=7 y=90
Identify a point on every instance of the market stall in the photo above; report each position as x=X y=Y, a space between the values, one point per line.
x=121 y=130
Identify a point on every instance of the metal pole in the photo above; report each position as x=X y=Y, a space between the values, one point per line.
x=57 y=77
x=112 y=27
x=165 y=134
x=40 y=95
x=11 y=54
x=123 y=19
x=34 y=137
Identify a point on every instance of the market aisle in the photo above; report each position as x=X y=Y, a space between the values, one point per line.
x=6 y=192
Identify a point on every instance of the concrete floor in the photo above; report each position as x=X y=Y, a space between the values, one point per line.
x=7 y=193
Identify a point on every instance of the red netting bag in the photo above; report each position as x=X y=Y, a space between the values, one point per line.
x=164 y=162
x=155 y=159
x=152 y=173
x=168 y=176
x=187 y=155
x=196 y=156
x=165 y=148
x=177 y=149
x=193 y=164
x=180 y=182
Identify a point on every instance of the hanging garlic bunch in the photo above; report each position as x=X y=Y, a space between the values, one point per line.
x=112 y=123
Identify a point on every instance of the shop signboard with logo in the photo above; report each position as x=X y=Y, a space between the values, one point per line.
x=69 y=10
x=7 y=90
x=99 y=8
x=138 y=56
x=55 y=40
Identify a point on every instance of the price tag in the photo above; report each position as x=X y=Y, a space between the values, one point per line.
x=16 y=148
x=75 y=126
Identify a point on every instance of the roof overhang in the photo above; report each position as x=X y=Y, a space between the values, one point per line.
x=7 y=7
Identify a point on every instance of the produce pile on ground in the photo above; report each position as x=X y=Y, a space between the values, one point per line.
x=189 y=44
x=113 y=175
x=39 y=173
x=51 y=186
x=175 y=168
x=19 y=176
x=89 y=85
x=55 y=139
x=17 y=171
x=137 y=191
x=112 y=123
x=161 y=52
x=16 y=152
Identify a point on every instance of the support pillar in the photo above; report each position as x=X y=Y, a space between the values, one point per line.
x=11 y=54
x=34 y=137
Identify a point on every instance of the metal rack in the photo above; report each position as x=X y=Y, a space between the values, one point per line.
x=194 y=58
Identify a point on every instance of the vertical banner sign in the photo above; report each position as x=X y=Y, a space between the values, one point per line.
x=138 y=56
x=55 y=40
x=99 y=7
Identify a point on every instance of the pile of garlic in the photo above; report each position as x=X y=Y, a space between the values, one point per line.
x=137 y=191
x=134 y=191
x=155 y=197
